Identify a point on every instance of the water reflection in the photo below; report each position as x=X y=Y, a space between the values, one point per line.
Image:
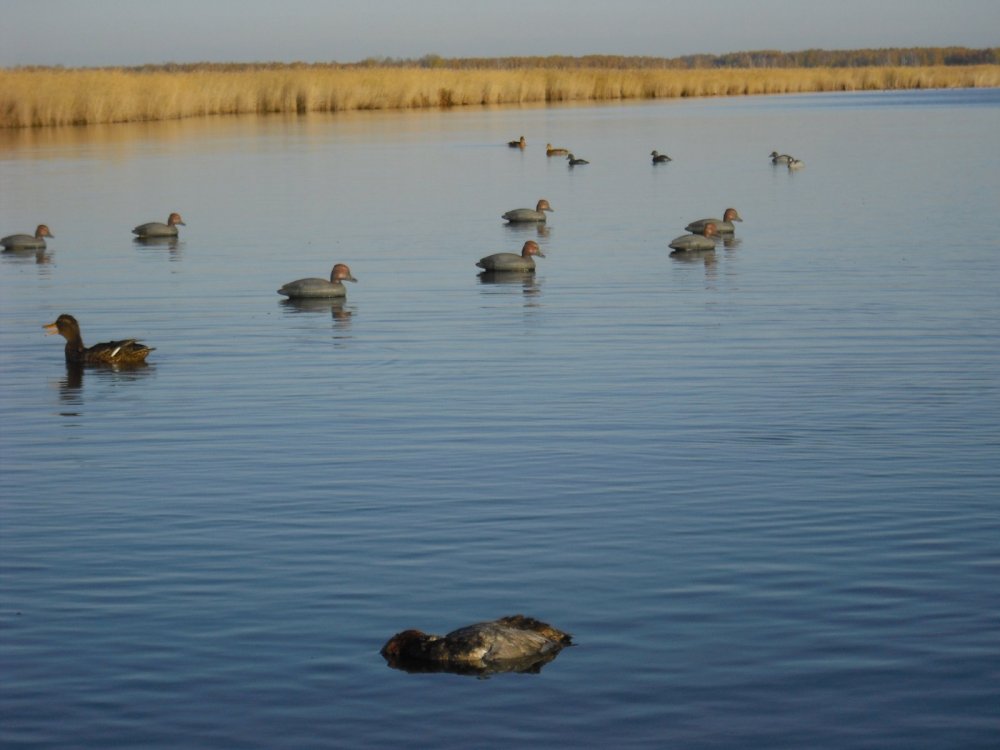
x=71 y=386
x=39 y=257
x=333 y=305
x=525 y=665
x=540 y=229
x=172 y=244
x=527 y=280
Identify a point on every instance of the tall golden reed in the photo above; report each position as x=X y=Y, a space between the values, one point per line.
x=34 y=97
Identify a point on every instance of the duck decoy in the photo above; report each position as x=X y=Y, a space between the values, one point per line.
x=125 y=352
x=314 y=287
x=701 y=241
x=529 y=214
x=512 y=261
x=159 y=229
x=722 y=226
x=509 y=644
x=27 y=241
x=519 y=143
x=777 y=158
x=659 y=158
x=550 y=150
x=794 y=163
x=573 y=161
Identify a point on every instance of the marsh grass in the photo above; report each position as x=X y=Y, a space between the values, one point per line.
x=34 y=97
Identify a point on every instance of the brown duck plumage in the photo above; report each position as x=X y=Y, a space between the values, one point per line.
x=125 y=352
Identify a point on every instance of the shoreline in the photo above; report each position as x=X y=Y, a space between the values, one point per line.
x=38 y=98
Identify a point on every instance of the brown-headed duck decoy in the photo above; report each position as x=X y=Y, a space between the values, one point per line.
x=519 y=143
x=509 y=644
x=529 y=214
x=27 y=241
x=302 y=288
x=159 y=229
x=573 y=161
x=777 y=158
x=512 y=261
x=551 y=150
x=794 y=163
x=701 y=241
x=125 y=352
x=659 y=158
x=722 y=226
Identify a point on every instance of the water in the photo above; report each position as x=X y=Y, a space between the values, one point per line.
x=759 y=488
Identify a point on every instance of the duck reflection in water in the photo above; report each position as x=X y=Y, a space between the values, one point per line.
x=332 y=305
x=511 y=644
x=171 y=243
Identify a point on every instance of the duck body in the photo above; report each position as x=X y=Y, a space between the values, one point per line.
x=519 y=143
x=777 y=158
x=794 y=163
x=314 y=287
x=550 y=150
x=34 y=241
x=159 y=229
x=689 y=242
x=512 y=261
x=516 y=639
x=722 y=226
x=517 y=215
x=659 y=158
x=573 y=161
x=124 y=352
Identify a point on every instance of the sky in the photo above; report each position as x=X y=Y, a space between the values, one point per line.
x=132 y=32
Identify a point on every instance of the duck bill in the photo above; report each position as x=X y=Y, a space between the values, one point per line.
x=50 y=329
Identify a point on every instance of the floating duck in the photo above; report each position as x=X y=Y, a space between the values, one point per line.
x=550 y=150
x=509 y=644
x=701 y=241
x=159 y=229
x=519 y=143
x=125 y=352
x=777 y=158
x=573 y=161
x=722 y=226
x=512 y=261
x=794 y=163
x=527 y=214
x=302 y=288
x=27 y=241
x=659 y=158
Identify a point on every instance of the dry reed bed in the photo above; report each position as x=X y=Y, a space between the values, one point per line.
x=42 y=97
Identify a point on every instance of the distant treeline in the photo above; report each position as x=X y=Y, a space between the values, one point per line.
x=812 y=58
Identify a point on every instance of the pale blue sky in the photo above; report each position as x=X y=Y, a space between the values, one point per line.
x=130 y=32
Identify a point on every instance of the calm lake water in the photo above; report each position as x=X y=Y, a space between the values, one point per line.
x=761 y=488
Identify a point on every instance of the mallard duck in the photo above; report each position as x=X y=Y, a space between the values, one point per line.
x=551 y=150
x=528 y=214
x=659 y=158
x=723 y=226
x=519 y=143
x=573 y=161
x=518 y=640
x=159 y=229
x=27 y=241
x=512 y=261
x=302 y=288
x=701 y=241
x=125 y=352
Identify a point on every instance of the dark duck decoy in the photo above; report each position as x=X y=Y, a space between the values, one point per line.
x=303 y=288
x=510 y=644
x=512 y=261
x=528 y=214
x=659 y=158
x=573 y=161
x=125 y=352
x=519 y=143
x=777 y=158
x=722 y=226
x=159 y=229
x=27 y=241
x=689 y=242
